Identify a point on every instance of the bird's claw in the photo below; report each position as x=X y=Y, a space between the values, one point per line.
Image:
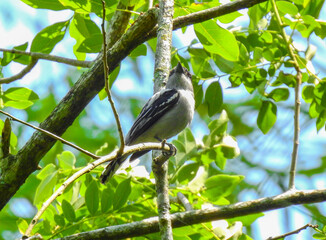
x=171 y=152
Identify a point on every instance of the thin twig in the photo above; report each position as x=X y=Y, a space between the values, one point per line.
x=184 y=201
x=293 y=232
x=297 y=99
x=106 y=79
x=21 y=74
x=52 y=135
x=113 y=155
x=53 y=58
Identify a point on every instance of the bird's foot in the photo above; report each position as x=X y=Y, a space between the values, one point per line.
x=171 y=152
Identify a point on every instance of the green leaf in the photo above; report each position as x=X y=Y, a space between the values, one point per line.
x=308 y=93
x=224 y=65
x=221 y=186
x=217 y=40
x=199 y=93
x=285 y=78
x=68 y=211
x=59 y=220
x=18 y=104
x=187 y=172
x=229 y=147
x=228 y=18
x=8 y=57
x=266 y=116
x=214 y=98
x=22 y=225
x=67 y=160
x=92 y=197
x=47 y=38
x=93 y=44
x=321 y=120
x=279 y=94
x=45 y=4
x=107 y=199
x=319 y=236
x=45 y=189
x=88 y=6
x=186 y=146
x=248 y=219
x=200 y=63
x=217 y=130
x=47 y=170
x=20 y=93
x=121 y=194
x=141 y=50
x=286 y=8
x=81 y=28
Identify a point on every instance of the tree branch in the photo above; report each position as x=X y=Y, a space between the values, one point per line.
x=293 y=232
x=49 y=57
x=113 y=155
x=161 y=75
x=52 y=136
x=150 y=225
x=21 y=74
x=106 y=84
x=15 y=169
x=297 y=98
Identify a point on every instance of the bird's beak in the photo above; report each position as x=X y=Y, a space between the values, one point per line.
x=179 y=68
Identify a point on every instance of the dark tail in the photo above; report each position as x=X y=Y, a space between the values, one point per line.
x=111 y=168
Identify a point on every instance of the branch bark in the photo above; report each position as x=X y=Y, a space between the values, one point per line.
x=150 y=225
x=15 y=169
x=161 y=74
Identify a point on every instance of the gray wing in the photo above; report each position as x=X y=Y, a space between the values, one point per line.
x=158 y=105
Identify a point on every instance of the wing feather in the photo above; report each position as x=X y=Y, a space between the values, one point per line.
x=158 y=105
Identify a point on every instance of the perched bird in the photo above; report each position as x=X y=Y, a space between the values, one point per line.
x=165 y=115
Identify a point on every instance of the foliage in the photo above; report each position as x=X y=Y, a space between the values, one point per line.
x=253 y=58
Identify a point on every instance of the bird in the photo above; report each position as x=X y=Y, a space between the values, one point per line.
x=165 y=114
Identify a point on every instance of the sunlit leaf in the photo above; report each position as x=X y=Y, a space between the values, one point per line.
x=45 y=188
x=279 y=94
x=22 y=225
x=20 y=93
x=45 y=4
x=221 y=186
x=217 y=40
x=47 y=38
x=66 y=160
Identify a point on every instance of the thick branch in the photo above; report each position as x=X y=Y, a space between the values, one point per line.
x=15 y=169
x=161 y=74
x=150 y=225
